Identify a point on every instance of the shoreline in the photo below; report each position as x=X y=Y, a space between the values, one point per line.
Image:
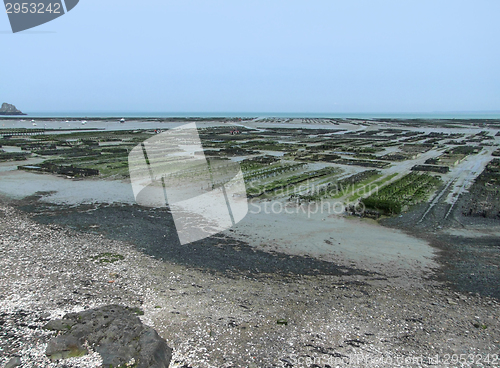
x=431 y=252
x=463 y=115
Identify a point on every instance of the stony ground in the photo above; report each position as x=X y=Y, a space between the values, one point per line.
x=233 y=319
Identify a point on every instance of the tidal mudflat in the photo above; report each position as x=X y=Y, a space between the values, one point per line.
x=305 y=278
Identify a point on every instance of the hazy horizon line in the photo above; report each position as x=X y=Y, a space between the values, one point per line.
x=275 y=112
x=246 y=114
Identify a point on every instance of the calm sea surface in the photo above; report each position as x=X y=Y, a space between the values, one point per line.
x=436 y=115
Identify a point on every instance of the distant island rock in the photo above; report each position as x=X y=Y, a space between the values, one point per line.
x=8 y=109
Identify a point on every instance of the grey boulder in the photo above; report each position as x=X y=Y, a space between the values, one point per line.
x=115 y=332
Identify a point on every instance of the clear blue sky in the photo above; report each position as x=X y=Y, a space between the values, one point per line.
x=257 y=56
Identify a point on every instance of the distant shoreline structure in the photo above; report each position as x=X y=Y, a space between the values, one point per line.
x=257 y=115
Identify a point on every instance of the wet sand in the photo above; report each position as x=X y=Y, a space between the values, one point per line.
x=300 y=231
x=321 y=233
x=61 y=190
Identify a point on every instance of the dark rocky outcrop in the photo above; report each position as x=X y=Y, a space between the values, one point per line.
x=115 y=332
x=8 y=109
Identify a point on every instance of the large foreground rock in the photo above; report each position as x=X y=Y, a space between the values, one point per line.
x=115 y=332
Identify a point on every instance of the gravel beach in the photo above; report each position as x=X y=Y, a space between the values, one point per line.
x=288 y=314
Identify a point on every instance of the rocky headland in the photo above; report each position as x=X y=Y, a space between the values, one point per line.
x=9 y=109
